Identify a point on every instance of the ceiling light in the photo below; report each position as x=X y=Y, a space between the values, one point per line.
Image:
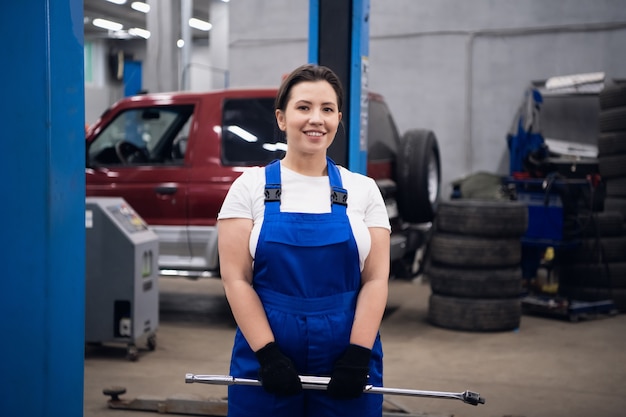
x=242 y=133
x=180 y=43
x=117 y=1
x=200 y=24
x=140 y=6
x=107 y=24
x=139 y=32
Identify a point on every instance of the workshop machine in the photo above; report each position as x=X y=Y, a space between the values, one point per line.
x=553 y=169
x=121 y=289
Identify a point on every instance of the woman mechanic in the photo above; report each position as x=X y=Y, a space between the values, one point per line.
x=304 y=254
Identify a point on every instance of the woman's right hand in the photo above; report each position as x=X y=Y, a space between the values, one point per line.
x=277 y=373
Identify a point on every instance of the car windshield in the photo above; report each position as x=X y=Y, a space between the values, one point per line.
x=142 y=135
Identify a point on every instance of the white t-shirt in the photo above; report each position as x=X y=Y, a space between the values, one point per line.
x=304 y=194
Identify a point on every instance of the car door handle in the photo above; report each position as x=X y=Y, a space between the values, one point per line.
x=166 y=189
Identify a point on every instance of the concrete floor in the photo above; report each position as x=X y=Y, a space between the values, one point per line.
x=546 y=368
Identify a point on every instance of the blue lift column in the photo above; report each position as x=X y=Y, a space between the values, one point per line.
x=339 y=39
x=42 y=258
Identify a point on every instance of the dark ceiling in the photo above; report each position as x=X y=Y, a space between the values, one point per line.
x=127 y=16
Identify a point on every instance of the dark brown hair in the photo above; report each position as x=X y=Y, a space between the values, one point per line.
x=308 y=72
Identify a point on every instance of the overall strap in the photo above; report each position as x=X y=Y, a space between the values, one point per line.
x=338 y=194
x=272 y=187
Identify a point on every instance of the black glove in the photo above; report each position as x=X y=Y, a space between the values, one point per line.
x=349 y=376
x=277 y=373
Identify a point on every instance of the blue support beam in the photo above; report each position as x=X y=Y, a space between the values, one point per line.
x=339 y=39
x=42 y=285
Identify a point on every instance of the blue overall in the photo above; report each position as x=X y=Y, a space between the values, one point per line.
x=306 y=273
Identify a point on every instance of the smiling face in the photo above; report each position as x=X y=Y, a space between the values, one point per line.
x=310 y=118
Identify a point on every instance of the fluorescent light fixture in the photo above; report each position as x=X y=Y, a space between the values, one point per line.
x=140 y=6
x=242 y=133
x=142 y=33
x=107 y=24
x=200 y=24
x=117 y=1
x=274 y=147
x=225 y=1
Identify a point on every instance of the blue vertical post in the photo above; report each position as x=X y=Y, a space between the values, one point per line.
x=42 y=285
x=357 y=144
x=339 y=39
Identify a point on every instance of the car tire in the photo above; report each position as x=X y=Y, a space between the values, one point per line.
x=612 y=143
x=482 y=217
x=595 y=275
x=475 y=252
x=612 y=166
x=612 y=96
x=474 y=314
x=418 y=176
x=616 y=204
x=616 y=187
x=595 y=224
x=475 y=283
x=613 y=119
x=600 y=249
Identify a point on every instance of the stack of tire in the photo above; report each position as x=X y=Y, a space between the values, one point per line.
x=612 y=145
x=596 y=269
x=474 y=265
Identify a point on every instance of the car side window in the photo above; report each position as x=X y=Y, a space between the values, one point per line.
x=250 y=135
x=143 y=136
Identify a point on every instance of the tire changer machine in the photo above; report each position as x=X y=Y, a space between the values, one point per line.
x=556 y=188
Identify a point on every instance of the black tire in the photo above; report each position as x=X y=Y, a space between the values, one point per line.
x=477 y=252
x=605 y=249
x=596 y=224
x=616 y=187
x=615 y=204
x=475 y=283
x=418 y=176
x=612 y=96
x=611 y=144
x=613 y=119
x=482 y=217
x=474 y=314
x=612 y=166
x=608 y=275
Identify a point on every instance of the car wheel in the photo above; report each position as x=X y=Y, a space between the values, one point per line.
x=418 y=176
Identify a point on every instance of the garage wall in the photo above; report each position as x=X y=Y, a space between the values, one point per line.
x=101 y=90
x=454 y=66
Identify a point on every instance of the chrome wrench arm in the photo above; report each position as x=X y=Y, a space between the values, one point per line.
x=321 y=383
